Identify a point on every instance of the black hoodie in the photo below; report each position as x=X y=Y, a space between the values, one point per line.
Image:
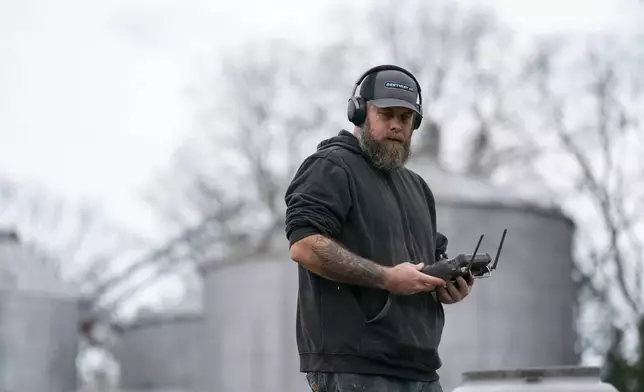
x=388 y=218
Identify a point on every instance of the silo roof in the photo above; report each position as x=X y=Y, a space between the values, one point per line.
x=456 y=188
x=22 y=271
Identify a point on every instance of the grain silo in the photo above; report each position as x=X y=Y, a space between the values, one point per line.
x=249 y=311
x=524 y=314
x=521 y=316
x=160 y=352
x=38 y=323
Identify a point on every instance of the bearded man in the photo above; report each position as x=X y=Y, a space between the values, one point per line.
x=361 y=227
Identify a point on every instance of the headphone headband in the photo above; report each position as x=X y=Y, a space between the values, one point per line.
x=357 y=108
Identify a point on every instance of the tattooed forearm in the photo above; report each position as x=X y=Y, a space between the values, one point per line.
x=341 y=265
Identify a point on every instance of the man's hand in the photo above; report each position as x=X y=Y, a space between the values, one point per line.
x=406 y=279
x=451 y=294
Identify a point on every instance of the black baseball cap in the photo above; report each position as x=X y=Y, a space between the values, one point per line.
x=390 y=88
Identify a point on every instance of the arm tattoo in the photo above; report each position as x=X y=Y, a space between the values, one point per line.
x=341 y=265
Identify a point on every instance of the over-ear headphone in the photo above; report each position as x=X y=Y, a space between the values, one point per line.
x=357 y=108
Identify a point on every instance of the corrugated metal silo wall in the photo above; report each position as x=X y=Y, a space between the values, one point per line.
x=250 y=324
x=521 y=316
x=38 y=342
x=161 y=354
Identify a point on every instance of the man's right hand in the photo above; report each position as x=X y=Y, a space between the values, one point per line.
x=407 y=279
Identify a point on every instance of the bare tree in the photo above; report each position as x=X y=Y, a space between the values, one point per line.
x=465 y=61
x=108 y=266
x=585 y=109
x=267 y=108
x=78 y=242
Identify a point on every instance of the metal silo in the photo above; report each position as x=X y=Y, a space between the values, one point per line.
x=520 y=317
x=249 y=335
x=160 y=353
x=38 y=323
x=523 y=315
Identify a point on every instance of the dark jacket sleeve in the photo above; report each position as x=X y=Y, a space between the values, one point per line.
x=318 y=200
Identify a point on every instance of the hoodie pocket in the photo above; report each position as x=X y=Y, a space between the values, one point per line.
x=371 y=304
x=406 y=333
x=342 y=320
x=383 y=312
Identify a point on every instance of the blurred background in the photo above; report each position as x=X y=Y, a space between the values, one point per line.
x=145 y=147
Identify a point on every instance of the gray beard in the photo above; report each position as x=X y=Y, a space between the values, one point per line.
x=387 y=156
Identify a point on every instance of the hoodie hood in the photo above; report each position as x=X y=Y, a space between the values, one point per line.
x=345 y=140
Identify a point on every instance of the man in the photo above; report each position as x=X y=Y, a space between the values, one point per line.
x=361 y=227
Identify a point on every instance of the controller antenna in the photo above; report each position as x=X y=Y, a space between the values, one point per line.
x=474 y=254
x=498 y=252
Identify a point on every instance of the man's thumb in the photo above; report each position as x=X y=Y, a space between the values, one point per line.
x=419 y=266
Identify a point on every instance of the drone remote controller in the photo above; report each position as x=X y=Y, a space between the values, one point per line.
x=478 y=265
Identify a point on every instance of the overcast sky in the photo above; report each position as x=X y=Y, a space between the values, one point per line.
x=92 y=94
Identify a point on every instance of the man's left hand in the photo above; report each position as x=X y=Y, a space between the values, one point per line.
x=451 y=293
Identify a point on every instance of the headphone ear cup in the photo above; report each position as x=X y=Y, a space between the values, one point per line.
x=356 y=111
x=417 y=120
x=351 y=109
